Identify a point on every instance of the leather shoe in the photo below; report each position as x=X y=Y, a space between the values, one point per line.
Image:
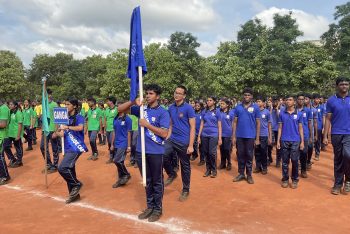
x=239 y=178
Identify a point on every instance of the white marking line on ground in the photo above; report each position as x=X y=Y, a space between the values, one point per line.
x=178 y=227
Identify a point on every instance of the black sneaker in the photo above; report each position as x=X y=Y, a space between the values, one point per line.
x=73 y=198
x=256 y=170
x=170 y=180
x=207 y=173
x=117 y=184
x=294 y=184
x=250 y=180
x=201 y=163
x=17 y=164
x=222 y=166
x=51 y=170
x=284 y=184
x=4 y=180
x=346 y=188
x=264 y=171
x=29 y=149
x=75 y=191
x=95 y=157
x=11 y=163
x=239 y=178
x=303 y=174
x=335 y=190
x=229 y=167
x=155 y=216
x=145 y=214
x=213 y=174
x=184 y=195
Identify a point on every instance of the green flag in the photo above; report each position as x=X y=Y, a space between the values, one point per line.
x=45 y=112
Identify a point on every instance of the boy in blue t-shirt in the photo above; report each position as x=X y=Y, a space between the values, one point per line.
x=310 y=147
x=246 y=129
x=290 y=141
x=320 y=123
x=265 y=137
x=121 y=145
x=338 y=115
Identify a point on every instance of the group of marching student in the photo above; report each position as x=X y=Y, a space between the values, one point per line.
x=181 y=132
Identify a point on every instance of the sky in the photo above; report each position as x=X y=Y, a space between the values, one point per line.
x=87 y=27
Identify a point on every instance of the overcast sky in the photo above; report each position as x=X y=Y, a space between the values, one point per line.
x=86 y=27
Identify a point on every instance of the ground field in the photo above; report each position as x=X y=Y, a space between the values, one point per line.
x=215 y=205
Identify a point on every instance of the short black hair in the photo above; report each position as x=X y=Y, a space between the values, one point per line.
x=154 y=87
x=182 y=87
x=247 y=90
x=92 y=100
x=300 y=94
x=289 y=96
x=341 y=79
x=49 y=91
x=316 y=95
x=112 y=99
x=308 y=95
x=260 y=98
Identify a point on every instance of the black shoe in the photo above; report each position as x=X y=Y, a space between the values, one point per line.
x=239 y=178
x=317 y=157
x=125 y=179
x=335 y=190
x=264 y=171
x=17 y=164
x=109 y=161
x=155 y=216
x=170 y=180
x=278 y=164
x=119 y=183
x=73 y=198
x=4 y=180
x=294 y=184
x=346 y=188
x=193 y=158
x=29 y=149
x=95 y=157
x=75 y=191
x=214 y=174
x=256 y=170
x=303 y=174
x=250 y=180
x=222 y=167
x=51 y=170
x=184 y=195
x=308 y=166
x=201 y=163
x=145 y=214
x=207 y=173
x=229 y=167
x=176 y=169
x=11 y=163
x=284 y=183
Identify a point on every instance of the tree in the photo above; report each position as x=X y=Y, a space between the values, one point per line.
x=12 y=82
x=183 y=45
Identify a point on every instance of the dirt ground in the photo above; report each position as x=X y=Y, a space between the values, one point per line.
x=215 y=205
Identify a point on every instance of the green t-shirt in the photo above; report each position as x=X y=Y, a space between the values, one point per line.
x=27 y=115
x=110 y=114
x=135 y=122
x=16 y=119
x=35 y=116
x=52 y=126
x=4 y=116
x=94 y=117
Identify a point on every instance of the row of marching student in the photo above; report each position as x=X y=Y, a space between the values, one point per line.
x=180 y=133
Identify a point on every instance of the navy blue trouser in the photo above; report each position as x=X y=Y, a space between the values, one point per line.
x=109 y=141
x=290 y=152
x=4 y=173
x=118 y=159
x=310 y=149
x=154 y=179
x=261 y=154
x=181 y=151
x=34 y=134
x=18 y=146
x=28 y=136
x=55 y=150
x=304 y=155
x=209 y=148
x=92 y=137
x=225 y=151
x=319 y=143
x=245 y=152
x=197 y=149
x=67 y=169
x=341 y=149
x=278 y=151
x=134 y=135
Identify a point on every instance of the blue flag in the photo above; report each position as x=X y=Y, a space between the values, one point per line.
x=136 y=57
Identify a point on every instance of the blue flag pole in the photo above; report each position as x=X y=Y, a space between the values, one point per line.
x=136 y=69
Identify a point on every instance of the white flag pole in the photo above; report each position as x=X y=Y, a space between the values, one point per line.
x=143 y=150
x=62 y=143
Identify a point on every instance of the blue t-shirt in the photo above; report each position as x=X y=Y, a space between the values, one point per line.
x=198 y=121
x=210 y=120
x=274 y=120
x=226 y=123
x=246 y=120
x=306 y=116
x=340 y=109
x=78 y=135
x=121 y=126
x=158 y=117
x=290 y=125
x=180 y=116
x=320 y=113
x=264 y=122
